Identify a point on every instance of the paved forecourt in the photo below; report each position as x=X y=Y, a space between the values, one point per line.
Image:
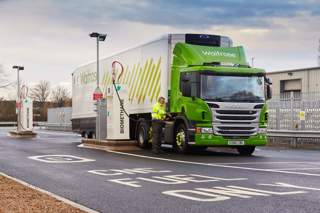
x=138 y=181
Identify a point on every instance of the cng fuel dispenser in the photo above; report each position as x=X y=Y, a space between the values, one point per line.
x=25 y=119
x=117 y=121
x=24 y=110
x=26 y=115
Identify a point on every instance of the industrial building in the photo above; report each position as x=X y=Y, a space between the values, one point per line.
x=303 y=82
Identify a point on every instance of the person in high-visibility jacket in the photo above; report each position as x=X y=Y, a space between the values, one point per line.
x=158 y=117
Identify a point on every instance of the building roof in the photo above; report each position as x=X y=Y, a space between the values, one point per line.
x=295 y=70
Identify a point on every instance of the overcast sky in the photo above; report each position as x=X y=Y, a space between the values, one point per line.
x=50 y=37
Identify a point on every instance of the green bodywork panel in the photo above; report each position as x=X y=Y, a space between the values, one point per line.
x=192 y=55
x=214 y=140
x=196 y=58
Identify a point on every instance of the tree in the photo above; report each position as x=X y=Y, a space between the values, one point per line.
x=41 y=91
x=60 y=96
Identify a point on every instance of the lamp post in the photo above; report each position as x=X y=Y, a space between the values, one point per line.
x=18 y=68
x=97 y=93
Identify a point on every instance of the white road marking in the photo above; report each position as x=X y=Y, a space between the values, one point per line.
x=286 y=185
x=173 y=179
x=192 y=195
x=267 y=191
x=214 y=165
x=115 y=172
x=65 y=200
x=127 y=182
x=286 y=169
x=231 y=192
x=257 y=163
x=219 y=193
x=163 y=180
x=60 y=159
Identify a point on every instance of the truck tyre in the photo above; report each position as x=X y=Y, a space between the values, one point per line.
x=142 y=135
x=181 y=139
x=92 y=135
x=83 y=134
x=246 y=150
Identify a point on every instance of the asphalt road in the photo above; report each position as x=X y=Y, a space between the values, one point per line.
x=137 y=181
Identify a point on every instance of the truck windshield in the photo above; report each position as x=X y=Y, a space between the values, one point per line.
x=232 y=88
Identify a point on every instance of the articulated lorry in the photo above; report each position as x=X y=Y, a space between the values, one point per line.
x=214 y=96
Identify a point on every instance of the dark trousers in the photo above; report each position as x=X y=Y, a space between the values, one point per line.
x=156 y=134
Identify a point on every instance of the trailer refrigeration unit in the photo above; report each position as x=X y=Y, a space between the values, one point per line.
x=214 y=96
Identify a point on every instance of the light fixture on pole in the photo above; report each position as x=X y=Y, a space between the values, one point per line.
x=97 y=95
x=18 y=103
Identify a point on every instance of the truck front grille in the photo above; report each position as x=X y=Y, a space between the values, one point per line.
x=244 y=122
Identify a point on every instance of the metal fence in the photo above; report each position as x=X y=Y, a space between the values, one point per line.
x=295 y=111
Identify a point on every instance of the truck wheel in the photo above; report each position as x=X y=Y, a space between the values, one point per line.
x=142 y=137
x=181 y=139
x=246 y=150
x=83 y=134
x=92 y=135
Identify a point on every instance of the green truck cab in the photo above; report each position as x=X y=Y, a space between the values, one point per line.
x=217 y=99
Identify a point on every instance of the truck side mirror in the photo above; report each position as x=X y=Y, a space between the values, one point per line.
x=268 y=81
x=269 y=92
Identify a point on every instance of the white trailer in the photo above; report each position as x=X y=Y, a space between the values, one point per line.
x=146 y=76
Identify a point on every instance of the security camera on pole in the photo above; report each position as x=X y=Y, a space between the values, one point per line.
x=24 y=110
x=98 y=95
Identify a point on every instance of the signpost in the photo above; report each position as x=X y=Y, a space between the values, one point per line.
x=18 y=106
x=97 y=94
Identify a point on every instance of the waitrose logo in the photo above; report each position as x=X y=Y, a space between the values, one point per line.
x=219 y=53
x=86 y=78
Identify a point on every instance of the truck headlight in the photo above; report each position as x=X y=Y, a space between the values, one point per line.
x=206 y=130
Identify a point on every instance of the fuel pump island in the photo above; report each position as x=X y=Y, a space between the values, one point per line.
x=24 y=111
x=214 y=96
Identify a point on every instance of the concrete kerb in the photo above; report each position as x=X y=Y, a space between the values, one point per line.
x=65 y=200
x=114 y=145
x=22 y=134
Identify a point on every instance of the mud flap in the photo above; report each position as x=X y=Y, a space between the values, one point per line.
x=169 y=132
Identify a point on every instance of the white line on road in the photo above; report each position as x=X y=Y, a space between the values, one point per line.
x=311 y=168
x=276 y=162
x=60 y=159
x=214 y=165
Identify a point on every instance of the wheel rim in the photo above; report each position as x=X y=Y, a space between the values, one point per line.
x=150 y=135
x=180 y=138
x=141 y=137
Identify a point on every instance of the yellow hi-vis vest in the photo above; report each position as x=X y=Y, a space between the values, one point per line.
x=158 y=112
